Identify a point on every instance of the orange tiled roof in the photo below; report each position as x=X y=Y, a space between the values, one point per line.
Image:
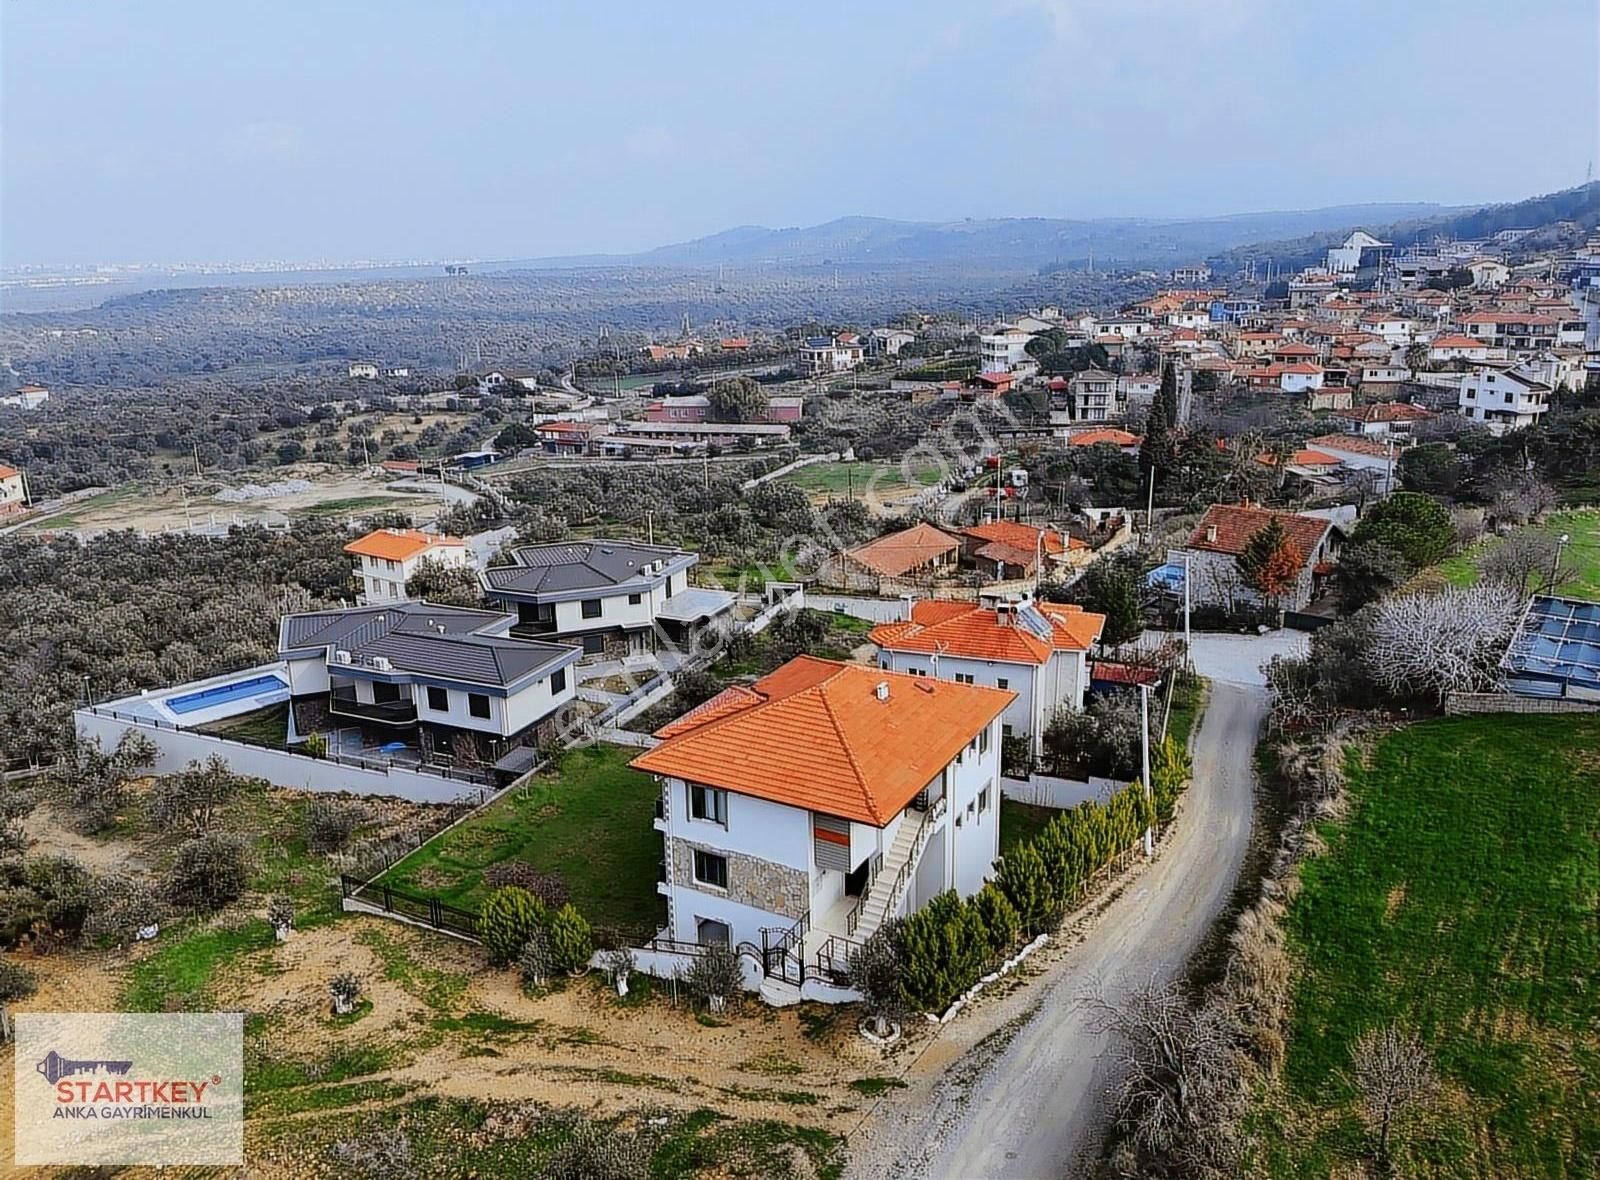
x=1304 y=457
x=8 y=472
x=975 y=632
x=1237 y=523
x=1386 y=412
x=814 y=735
x=1457 y=341
x=398 y=544
x=906 y=550
x=1022 y=536
x=1117 y=438
x=1356 y=444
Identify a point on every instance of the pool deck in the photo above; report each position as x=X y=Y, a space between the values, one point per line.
x=153 y=704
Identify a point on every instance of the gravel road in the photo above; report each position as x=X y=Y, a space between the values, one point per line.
x=1018 y=1087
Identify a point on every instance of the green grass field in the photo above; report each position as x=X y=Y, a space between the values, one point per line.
x=591 y=822
x=1021 y=823
x=1458 y=901
x=1582 y=554
x=882 y=479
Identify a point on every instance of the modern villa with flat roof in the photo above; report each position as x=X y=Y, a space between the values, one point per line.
x=611 y=598
x=427 y=677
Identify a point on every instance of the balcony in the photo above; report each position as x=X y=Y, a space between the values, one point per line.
x=343 y=703
x=533 y=628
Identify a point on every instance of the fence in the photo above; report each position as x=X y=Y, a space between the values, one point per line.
x=1043 y=790
x=176 y=748
x=1457 y=704
x=409 y=907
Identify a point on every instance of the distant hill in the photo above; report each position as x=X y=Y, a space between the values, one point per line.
x=1022 y=242
x=1580 y=204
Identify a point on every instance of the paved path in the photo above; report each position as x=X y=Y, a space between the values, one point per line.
x=1037 y=1107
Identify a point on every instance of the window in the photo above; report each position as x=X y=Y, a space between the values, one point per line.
x=591 y=608
x=711 y=869
x=558 y=680
x=438 y=699
x=983 y=740
x=635 y=599
x=983 y=800
x=1005 y=731
x=917 y=671
x=478 y=705
x=383 y=692
x=594 y=645
x=710 y=932
x=964 y=678
x=1002 y=682
x=708 y=803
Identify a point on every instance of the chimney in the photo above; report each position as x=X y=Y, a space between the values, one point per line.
x=1211 y=534
x=882 y=691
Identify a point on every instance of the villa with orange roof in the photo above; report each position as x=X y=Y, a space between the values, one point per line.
x=389 y=558
x=1037 y=650
x=803 y=811
x=1005 y=550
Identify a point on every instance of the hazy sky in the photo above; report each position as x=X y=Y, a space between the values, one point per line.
x=227 y=129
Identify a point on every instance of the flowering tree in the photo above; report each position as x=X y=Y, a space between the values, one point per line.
x=1442 y=642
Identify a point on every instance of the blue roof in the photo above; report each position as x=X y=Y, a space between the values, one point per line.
x=1558 y=639
x=1166 y=577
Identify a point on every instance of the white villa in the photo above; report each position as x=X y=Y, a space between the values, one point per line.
x=1502 y=400
x=803 y=811
x=608 y=597
x=1039 y=651
x=389 y=557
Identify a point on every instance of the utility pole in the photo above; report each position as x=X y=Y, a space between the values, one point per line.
x=1150 y=506
x=649 y=526
x=1188 y=656
x=196 y=445
x=1144 y=741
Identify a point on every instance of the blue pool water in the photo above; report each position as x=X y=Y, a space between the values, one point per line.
x=221 y=694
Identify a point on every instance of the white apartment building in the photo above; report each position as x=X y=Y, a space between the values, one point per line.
x=1502 y=400
x=1003 y=349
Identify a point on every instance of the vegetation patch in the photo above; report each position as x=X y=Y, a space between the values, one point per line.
x=177 y=976
x=438 y=989
x=874 y=1087
x=1456 y=902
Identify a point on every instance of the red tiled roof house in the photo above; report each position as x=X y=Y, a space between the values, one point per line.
x=1214 y=547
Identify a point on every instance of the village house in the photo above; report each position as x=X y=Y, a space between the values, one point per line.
x=611 y=598
x=1039 y=651
x=1501 y=399
x=821 y=355
x=803 y=811
x=388 y=558
x=918 y=553
x=13 y=490
x=27 y=397
x=1383 y=418
x=1220 y=538
x=1003 y=349
x=1004 y=550
x=1455 y=346
x=1094 y=396
x=697 y=408
x=568 y=438
x=363 y=370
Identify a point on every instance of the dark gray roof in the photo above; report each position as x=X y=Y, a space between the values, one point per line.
x=441 y=642
x=325 y=627
x=567 y=566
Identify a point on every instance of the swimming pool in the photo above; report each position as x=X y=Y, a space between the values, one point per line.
x=221 y=694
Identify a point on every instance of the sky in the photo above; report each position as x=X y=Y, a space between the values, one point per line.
x=199 y=131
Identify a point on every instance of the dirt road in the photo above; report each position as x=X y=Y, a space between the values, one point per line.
x=1021 y=1091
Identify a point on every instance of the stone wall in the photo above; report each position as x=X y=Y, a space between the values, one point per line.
x=762 y=884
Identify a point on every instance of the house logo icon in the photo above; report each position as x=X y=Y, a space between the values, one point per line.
x=54 y=1067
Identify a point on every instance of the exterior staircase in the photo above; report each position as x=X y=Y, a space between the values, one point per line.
x=896 y=873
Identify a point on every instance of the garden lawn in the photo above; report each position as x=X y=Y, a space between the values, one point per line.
x=885 y=479
x=1021 y=823
x=1458 y=900
x=591 y=821
x=1582 y=554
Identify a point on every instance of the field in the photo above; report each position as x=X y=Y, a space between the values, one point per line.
x=1021 y=823
x=873 y=482
x=1458 y=901
x=1582 y=554
x=590 y=821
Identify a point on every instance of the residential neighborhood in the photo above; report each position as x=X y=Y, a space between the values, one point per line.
x=844 y=593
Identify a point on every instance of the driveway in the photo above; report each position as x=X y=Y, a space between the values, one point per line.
x=1019 y=1087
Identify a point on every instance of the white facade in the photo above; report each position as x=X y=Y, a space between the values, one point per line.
x=763 y=853
x=1502 y=401
x=384 y=579
x=365 y=370
x=13 y=492
x=1060 y=682
x=1003 y=350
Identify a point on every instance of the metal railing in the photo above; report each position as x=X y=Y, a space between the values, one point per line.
x=430 y=911
x=784 y=955
x=833 y=958
x=345 y=703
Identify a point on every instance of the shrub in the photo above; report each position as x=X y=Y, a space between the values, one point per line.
x=42 y=894
x=946 y=949
x=315 y=746
x=1000 y=919
x=193 y=798
x=507 y=920
x=547 y=887
x=346 y=990
x=715 y=976
x=331 y=822
x=535 y=962
x=598 y=1151
x=280 y=912
x=571 y=939
x=1022 y=878
x=877 y=971
x=208 y=872
x=119 y=907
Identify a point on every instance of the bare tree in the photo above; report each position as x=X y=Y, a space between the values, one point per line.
x=1441 y=642
x=1527 y=558
x=1395 y=1075
x=1180 y=1098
